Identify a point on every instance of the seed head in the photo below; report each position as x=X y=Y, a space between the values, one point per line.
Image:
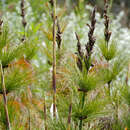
x=107 y=33
x=92 y=39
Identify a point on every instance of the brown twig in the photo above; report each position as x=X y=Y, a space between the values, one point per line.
x=53 y=4
x=5 y=98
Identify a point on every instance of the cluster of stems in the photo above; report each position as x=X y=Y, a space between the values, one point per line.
x=89 y=46
x=107 y=34
x=85 y=58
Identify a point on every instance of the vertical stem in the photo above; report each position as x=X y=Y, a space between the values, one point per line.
x=69 y=117
x=54 y=59
x=109 y=83
x=83 y=99
x=29 y=121
x=54 y=104
x=45 y=115
x=8 y=127
x=80 y=124
x=82 y=105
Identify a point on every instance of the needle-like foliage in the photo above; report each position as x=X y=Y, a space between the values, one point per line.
x=16 y=78
x=93 y=109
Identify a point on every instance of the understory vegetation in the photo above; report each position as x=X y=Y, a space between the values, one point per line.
x=62 y=68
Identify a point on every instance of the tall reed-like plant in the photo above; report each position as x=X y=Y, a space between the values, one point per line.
x=84 y=61
x=116 y=61
x=8 y=125
x=53 y=4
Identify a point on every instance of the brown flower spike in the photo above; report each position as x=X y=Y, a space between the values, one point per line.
x=90 y=44
x=23 y=13
x=107 y=33
x=79 y=53
x=24 y=23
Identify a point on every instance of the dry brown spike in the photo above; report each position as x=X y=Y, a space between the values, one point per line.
x=90 y=44
x=107 y=33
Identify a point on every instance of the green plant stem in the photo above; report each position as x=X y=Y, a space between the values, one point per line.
x=83 y=99
x=109 y=86
x=8 y=126
x=82 y=106
x=80 y=124
x=54 y=59
x=109 y=83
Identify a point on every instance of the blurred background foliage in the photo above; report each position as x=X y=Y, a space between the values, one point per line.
x=116 y=6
